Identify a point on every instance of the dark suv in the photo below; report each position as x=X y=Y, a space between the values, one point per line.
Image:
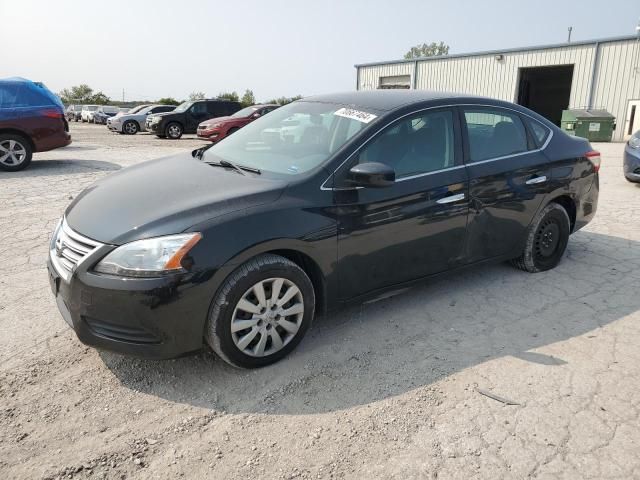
x=31 y=120
x=186 y=117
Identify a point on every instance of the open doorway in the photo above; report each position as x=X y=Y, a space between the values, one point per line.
x=546 y=90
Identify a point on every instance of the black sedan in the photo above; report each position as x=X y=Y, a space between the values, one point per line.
x=243 y=243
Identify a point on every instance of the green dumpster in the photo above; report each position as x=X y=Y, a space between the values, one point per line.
x=594 y=125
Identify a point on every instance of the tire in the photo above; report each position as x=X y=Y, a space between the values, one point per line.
x=130 y=127
x=266 y=322
x=15 y=152
x=173 y=131
x=547 y=239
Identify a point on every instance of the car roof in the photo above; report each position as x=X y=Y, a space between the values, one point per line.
x=385 y=100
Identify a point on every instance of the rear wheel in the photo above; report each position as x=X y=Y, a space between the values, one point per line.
x=130 y=127
x=547 y=239
x=15 y=153
x=261 y=312
x=173 y=131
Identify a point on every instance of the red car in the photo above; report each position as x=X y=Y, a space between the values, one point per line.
x=215 y=129
x=31 y=120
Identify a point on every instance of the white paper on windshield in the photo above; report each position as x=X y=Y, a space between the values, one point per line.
x=353 y=114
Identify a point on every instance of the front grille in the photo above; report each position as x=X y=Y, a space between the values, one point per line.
x=69 y=249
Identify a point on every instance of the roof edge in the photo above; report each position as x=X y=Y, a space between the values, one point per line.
x=506 y=50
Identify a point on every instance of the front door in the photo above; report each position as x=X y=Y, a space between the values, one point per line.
x=414 y=227
x=508 y=179
x=196 y=114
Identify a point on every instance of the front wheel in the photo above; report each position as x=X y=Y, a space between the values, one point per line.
x=261 y=312
x=130 y=127
x=547 y=239
x=15 y=152
x=174 y=131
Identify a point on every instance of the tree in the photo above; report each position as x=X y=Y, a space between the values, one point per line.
x=83 y=94
x=168 y=101
x=99 y=99
x=196 y=96
x=432 y=49
x=233 y=96
x=248 y=98
x=80 y=94
x=285 y=100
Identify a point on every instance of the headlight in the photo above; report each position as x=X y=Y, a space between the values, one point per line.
x=152 y=257
x=634 y=142
x=156 y=119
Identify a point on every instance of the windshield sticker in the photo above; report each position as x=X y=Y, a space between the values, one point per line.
x=363 y=117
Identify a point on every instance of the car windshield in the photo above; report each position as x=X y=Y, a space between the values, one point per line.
x=136 y=109
x=91 y=108
x=109 y=109
x=245 y=112
x=293 y=139
x=183 y=107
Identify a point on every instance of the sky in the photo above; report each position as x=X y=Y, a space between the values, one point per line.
x=160 y=48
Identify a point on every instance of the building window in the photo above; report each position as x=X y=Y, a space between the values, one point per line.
x=397 y=81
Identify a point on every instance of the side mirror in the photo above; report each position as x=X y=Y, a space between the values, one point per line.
x=372 y=174
x=256 y=115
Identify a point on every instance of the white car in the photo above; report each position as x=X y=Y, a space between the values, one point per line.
x=87 y=113
x=133 y=121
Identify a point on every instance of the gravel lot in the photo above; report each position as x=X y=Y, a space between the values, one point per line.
x=384 y=390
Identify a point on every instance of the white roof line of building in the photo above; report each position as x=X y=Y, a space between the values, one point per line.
x=497 y=52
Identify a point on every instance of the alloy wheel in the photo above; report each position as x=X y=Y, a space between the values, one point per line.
x=130 y=128
x=12 y=153
x=174 y=131
x=267 y=317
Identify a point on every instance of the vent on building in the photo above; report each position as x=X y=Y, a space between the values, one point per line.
x=397 y=81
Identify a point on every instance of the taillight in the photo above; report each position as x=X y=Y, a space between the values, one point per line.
x=594 y=157
x=51 y=113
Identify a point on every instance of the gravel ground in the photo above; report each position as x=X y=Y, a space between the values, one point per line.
x=386 y=390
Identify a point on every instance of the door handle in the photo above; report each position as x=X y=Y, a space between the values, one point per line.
x=536 y=180
x=451 y=198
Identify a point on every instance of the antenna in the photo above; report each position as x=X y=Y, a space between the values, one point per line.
x=569 y=38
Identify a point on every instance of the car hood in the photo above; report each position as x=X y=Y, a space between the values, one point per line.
x=163 y=197
x=129 y=116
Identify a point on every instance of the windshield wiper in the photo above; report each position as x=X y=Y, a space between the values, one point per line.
x=239 y=168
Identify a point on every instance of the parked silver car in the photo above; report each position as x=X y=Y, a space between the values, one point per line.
x=133 y=121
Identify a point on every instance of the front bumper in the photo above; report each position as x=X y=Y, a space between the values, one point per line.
x=212 y=135
x=153 y=127
x=154 y=318
x=114 y=126
x=631 y=164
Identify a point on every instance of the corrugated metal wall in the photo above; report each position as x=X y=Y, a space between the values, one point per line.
x=617 y=80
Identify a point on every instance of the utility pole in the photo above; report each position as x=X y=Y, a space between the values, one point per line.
x=569 y=39
x=123 y=95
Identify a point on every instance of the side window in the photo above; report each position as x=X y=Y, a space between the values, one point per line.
x=540 y=132
x=167 y=108
x=494 y=133
x=199 y=108
x=419 y=144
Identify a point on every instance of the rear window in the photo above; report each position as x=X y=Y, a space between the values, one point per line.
x=540 y=132
x=14 y=95
x=494 y=133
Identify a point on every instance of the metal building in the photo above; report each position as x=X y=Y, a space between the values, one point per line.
x=602 y=74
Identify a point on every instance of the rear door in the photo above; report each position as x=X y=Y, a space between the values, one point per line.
x=509 y=176
x=415 y=227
